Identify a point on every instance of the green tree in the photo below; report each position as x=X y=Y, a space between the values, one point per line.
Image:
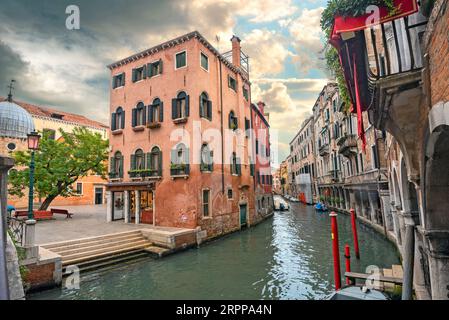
x=59 y=164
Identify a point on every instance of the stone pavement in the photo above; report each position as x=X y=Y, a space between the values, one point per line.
x=87 y=221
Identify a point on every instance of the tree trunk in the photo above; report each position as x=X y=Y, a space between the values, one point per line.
x=44 y=206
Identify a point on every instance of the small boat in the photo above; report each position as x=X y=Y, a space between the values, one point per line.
x=320 y=207
x=281 y=205
x=357 y=293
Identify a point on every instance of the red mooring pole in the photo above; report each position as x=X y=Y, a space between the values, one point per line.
x=354 y=232
x=335 y=250
x=348 y=263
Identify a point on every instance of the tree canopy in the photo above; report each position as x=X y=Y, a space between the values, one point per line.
x=59 y=164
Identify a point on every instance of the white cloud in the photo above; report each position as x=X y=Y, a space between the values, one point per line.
x=267 y=52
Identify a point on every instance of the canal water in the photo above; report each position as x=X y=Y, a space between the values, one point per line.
x=288 y=256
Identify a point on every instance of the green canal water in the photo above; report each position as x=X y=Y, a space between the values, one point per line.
x=288 y=256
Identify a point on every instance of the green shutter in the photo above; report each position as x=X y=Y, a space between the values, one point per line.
x=160 y=66
x=150 y=114
x=161 y=112
x=112 y=165
x=133 y=162
x=144 y=71
x=174 y=103
x=209 y=110
x=148 y=161
x=113 y=120
x=134 y=75
x=121 y=167
x=134 y=117
x=160 y=163
x=187 y=106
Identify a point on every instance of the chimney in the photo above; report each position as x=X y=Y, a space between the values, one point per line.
x=261 y=106
x=236 y=50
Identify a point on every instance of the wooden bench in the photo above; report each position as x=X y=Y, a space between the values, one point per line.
x=37 y=215
x=61 y=211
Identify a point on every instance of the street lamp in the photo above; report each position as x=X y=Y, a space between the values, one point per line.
x=33 y=145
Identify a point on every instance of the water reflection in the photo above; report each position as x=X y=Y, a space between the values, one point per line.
x=286 y=257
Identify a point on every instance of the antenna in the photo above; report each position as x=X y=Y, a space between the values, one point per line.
x=217 y=38
x=11 y=88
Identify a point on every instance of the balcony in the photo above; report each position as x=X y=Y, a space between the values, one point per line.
x=147 y=173
x=206 y=167
x=347 y=145
x=115 y=175
x=324 y=150
x=179 y=170
x=335 y=175
x=154 y=125
x=387 y=61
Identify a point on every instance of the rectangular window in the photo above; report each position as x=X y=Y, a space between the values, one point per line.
x=232 y=83
x=230 y=195
x=154 y=68
x=204 y=61
x=181 y=60
x=79 y=188
x=118 y=80
x=139 y=73
x=206 y=203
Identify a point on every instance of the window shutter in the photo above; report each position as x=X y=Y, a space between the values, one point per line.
x=160 y=66
x=174 y=156
x=112 y=164
x=122 y=81
x=134 y=75
x=148 y=160
x=134 y=117
x=150 y=114
x=160 y=163
x=144 y=116
x=187 y=106
x=186 y=156
x=161 y=112
x=113 y=119
x=123 y=120
x=174 y=103
x=230 y=120
x=114 y=82
x=144 y=71
x=149 y=70
x=133 y=162
x=120 y=168
x=239 y=167
x=209 y=109
x=202 y=112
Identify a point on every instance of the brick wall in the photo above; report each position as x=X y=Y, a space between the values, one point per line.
x=40 y=276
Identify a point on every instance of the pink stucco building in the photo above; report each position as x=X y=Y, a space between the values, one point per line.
x=179 y=153
x=263 y=180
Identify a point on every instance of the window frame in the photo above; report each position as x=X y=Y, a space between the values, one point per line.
x=114 y=80
x=176 y=61
x=82 y=188
x=209 y=207
x=235 y=83
x=201 y=61
x=150 y=64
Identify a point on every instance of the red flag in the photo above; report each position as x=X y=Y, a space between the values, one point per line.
x=361 y=129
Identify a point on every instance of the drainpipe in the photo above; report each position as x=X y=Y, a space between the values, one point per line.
x=221 y=128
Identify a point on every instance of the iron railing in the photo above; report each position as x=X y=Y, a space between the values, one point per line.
x=16 y=228
x=145 y=173
x=244 y=60
x=180 y=170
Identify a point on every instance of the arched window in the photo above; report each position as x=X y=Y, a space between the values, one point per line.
x=233 y=123
x=139 y=115
x=155 y=162
x=206 y=158
x=118 y=119
x=156 y=112
x=180 y=106
x=180 y=160
x=205 y=106
x=116 y=165
x=138 y=160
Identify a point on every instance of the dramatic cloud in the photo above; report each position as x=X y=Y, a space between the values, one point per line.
x=267 y=51
x=307 y=37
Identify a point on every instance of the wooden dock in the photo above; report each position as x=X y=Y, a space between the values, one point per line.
x=387 y=280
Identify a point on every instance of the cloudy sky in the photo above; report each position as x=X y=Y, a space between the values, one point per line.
x=66 y=69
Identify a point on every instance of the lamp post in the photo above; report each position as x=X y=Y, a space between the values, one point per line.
x=33 y=145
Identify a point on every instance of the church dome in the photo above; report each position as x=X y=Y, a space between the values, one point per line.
x=15 y=122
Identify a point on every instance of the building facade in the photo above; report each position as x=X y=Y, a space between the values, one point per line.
x=89 y=189
x=302 y=155
x=263 y=180
x=180 y=156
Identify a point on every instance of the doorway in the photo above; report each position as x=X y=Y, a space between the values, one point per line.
x=243 y=215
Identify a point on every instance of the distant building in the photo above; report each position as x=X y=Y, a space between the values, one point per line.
x=90 y=189
x=262 y=154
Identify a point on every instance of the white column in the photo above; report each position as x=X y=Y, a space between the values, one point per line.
x=137 y=206
x=126 y=206
x=109 y=206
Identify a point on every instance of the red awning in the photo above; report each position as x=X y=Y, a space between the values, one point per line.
x=352 y=24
